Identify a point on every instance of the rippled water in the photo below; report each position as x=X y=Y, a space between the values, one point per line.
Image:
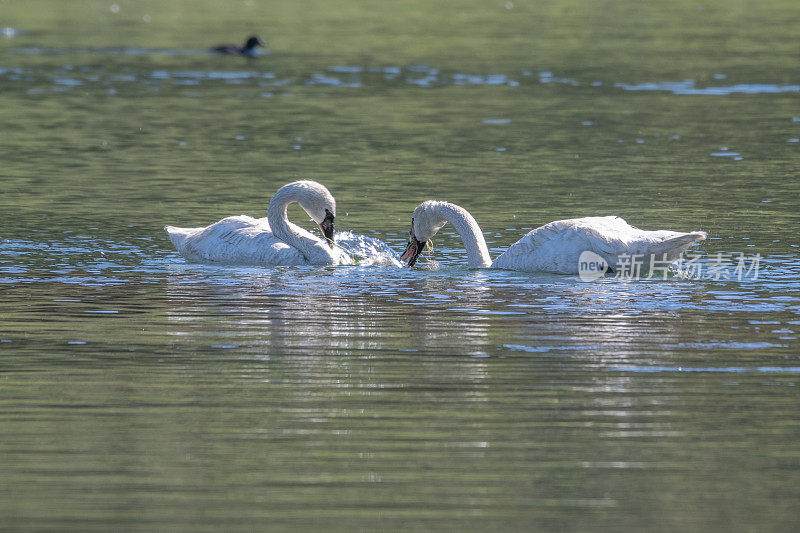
x=68 y=77
x=141 y=392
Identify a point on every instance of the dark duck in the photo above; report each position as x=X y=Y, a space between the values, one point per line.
x=248 y=50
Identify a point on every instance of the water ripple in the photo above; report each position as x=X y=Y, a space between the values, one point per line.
x=688 y=87
x=724 y=369
x=341 y=76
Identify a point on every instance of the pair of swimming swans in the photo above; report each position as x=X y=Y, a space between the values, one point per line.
x=554 y=247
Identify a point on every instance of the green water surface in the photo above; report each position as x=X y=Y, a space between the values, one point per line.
x=142 y=393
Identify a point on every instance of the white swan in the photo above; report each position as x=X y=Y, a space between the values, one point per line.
x=554 y=247
x=270 y=241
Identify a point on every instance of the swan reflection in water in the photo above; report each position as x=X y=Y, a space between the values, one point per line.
x=371 y=312
x=330 y=333
x=317 y=310
x=311 y=316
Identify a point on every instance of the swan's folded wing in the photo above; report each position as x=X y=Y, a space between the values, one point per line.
x=237 y=240
x=557 y=246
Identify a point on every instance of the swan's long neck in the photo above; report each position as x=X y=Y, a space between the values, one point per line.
x=312 y=248
x=470 y=232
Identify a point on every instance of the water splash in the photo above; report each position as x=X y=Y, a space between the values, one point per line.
x=367 y=251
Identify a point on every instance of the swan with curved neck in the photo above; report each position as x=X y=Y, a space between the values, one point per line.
x=244 y=240
x=554 y=247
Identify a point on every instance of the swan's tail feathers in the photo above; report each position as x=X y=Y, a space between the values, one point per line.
x=673 y=246
x=178 y=235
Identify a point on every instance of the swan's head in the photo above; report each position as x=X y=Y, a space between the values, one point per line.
x=318 y=202
x=425 y=222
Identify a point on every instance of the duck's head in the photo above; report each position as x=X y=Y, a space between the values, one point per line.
x=253 y=41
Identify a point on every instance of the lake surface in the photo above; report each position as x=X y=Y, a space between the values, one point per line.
x=140 y=392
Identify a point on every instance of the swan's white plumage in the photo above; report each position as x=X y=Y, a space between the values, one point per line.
x=557 y=246
x=270 y=241
x=237 y=240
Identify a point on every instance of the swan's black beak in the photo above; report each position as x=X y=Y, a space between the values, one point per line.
x=412 y=252
x=413 y=249
x=327 y=227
